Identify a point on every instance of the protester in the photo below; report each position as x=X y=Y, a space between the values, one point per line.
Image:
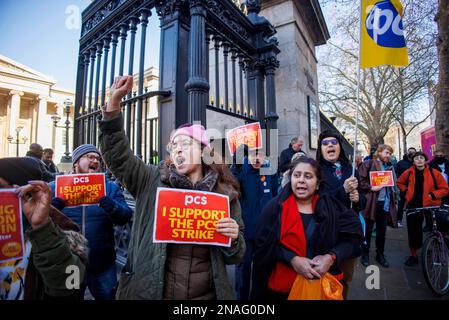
x=381 y=203
x=311 y=243
x=400 y=168
x=286 y=155
x=52 y=241
x=336 y=172
x=97 y=222
x=47 y=158
x=170 y=271
x=440 y=163
x=36 y=151
x=256 y=190
x=423 y=186
x=372 y=151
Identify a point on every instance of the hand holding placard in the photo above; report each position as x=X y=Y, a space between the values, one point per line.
x=36 y=199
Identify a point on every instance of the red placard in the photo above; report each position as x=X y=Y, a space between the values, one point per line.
x=11 y=232
x=381 y=178
x=80 y=189
x=188 y=216
x=249 y=134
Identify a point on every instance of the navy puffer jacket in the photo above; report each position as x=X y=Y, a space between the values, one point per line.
x=99 y=226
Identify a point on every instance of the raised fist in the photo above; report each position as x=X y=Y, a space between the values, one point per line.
x=121 y=87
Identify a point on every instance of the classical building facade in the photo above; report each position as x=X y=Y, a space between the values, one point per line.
x=28 y=100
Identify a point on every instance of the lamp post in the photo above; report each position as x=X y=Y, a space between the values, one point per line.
x=17 y=142
x=68 y=104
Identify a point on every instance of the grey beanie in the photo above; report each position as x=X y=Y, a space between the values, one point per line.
x=82 y=150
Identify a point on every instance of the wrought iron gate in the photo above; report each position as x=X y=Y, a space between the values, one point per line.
x=215 y=55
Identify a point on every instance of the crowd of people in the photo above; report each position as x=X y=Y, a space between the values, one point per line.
x=313 y=217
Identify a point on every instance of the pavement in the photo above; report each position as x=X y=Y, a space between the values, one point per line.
x=398 y=282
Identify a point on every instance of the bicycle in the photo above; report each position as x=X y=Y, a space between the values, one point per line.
x=435 y=250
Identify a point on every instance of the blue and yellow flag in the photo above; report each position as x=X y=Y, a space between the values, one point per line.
x=382 y=34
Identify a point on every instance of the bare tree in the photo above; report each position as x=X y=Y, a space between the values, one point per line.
x=442 y=106
x=387 y=95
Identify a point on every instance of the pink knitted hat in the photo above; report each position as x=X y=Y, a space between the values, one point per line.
x=195 y=131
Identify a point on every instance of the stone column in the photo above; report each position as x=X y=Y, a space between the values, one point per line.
x=41 y=118
x=14 y=113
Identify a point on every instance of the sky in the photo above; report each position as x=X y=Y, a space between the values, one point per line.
x=44 y=35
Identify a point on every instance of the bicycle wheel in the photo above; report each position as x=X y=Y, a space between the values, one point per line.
x=435 y=263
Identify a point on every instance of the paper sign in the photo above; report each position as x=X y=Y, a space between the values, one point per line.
x=249 y=134
x=11 y=232
x=188 y=216
x=80 y=189
x=381 y=178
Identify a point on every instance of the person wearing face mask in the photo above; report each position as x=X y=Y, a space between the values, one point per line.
x=256 y=190
x=423 y=186
x=156 y=271
x=97 y=223
x=440 y=163
x=301 y=232
x=400 y=168
x=380 y=203
x=338 y=181
x=52 y=241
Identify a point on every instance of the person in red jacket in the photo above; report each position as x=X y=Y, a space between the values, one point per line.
x=423 y=187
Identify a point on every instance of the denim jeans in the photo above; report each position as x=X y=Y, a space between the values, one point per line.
x=102 y=285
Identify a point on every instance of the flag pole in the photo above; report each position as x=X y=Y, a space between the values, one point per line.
x=358 y=91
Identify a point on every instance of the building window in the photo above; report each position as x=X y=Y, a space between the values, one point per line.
x=313 y=122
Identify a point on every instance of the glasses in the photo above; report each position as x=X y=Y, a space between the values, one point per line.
x=334 y=142
x=184 y=144
x=420 y=158
x=92 y=157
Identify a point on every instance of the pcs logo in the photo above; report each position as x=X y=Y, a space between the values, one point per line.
x=384 y=25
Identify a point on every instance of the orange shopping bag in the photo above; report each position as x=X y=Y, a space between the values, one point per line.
x=326 y=288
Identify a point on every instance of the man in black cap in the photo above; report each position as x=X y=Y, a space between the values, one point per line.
x=53 y=238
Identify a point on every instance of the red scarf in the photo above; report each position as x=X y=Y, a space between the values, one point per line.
x=292 y=237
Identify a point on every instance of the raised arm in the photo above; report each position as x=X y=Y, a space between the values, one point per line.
x=114 y=145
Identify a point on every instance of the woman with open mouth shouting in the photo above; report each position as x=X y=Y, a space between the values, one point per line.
x=160 y=270
x=301 y=233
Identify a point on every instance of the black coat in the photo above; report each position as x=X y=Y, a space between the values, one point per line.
x=434 y=165
x=339 y=231
x=286 y=158
x=402 y=166
x=334 y=187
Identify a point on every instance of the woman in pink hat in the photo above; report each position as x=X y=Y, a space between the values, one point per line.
x=160 y=270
